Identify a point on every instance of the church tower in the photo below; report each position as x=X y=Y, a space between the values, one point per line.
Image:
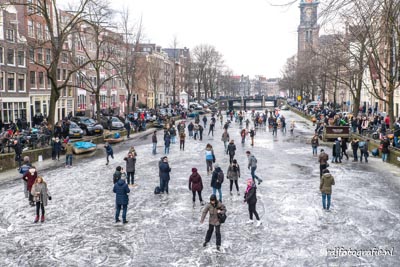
x=308 y=30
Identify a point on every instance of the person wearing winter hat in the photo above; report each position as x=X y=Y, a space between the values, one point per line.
x=196 y=185
x=233 y=174
x=214 y=208
x=250 y=196
x=30 y=177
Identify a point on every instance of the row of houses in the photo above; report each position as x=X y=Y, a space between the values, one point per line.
x=85 y=67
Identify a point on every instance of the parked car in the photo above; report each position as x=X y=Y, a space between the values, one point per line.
x=88 y=125
x=284 y=107
x=116 y=124
x=74 y=130
x=211 y=101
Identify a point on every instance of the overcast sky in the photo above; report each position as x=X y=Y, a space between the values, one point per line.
x=254 y=37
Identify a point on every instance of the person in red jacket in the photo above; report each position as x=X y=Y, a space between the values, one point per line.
x=196 y=185
x=29 y=177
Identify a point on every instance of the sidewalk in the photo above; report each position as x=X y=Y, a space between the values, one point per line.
x=46 y=164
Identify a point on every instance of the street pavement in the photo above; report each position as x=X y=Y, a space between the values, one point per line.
x=165 y=230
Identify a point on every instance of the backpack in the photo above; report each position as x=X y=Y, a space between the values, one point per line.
x=220 y=177
x=157 y=190
x=222 y=217
x=361 y=144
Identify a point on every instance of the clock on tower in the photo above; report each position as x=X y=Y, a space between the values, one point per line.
x=308 y=30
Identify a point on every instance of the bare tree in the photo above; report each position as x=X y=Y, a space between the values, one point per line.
x=125 y=65
x=155 y=71
x=59 y=26
x=99 y=47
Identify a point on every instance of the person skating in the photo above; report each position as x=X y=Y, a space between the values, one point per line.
x=201 y=129
x=216 y=181
x=40 y=194
x=225 y=139
x=128 y=127
x=154 y=141
x=24 y=169
x=210 y=158
x=364 y=151
x=325 y=187
x=233 y=174
x=212 y=124
x=109 y=151
x=250 y=196
x=213 y=208
x=68 y=154
x=196 y=185
x=167 y=142
x=336 y=149
x=182 y=137
x=190 y=129
x=252 y=166
x=315 y=144
x=231 y=151
x=130 y=168
x=57 y=148
x=30 y=177
x=323 y=159
x=385 y=148
x=243 y=134
x=252 y=134
x=121 y=190
x=196 y=131
x=205 y=121
x=164 y=175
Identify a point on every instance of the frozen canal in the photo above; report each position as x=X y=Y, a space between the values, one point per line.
x=165 y=230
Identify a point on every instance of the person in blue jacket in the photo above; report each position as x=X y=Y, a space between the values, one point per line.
x=121 y=190
x=109 y=151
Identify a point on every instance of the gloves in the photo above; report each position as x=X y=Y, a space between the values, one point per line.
x=49 y=197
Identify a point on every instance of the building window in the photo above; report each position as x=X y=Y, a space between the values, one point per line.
x=81 y=102
x=39 y=31
x=64 y=74
x=58 y=75
x=21 y=58
x=1 y=81
x=32 y=78
x=30 y=29
x=41 y=79
x=40 y=55
x=48 y=56
x=64 y=58
x=1 y=55
x=21 y=82
x=30 y=7
x=10 y=57
x=31 y=55
x=46 y=33
x=10 y=35
x=11 y=82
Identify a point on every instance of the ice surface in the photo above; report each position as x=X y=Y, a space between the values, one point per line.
x=165 y=230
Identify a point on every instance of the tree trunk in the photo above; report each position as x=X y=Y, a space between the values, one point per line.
x=97 y=97
x=390 y=102
x=54 y=95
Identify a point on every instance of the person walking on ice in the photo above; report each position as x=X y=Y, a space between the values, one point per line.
x=252 y=166
x=213 y=208
x=250 y=197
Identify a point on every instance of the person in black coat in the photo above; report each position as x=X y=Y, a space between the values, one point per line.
x=18 y=152
x=250 y=197
x=121 y=190
x=164 y=174
x=231 y=151
x=216 y=181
